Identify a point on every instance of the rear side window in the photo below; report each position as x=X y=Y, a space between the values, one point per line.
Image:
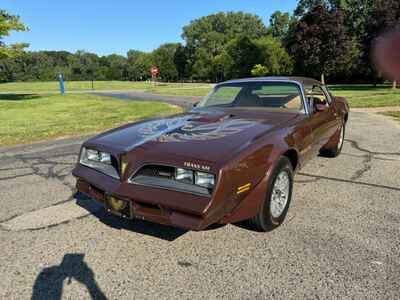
x=316 y=93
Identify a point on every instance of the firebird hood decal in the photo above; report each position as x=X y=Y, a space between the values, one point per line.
x=180 y=130
x=208 y=136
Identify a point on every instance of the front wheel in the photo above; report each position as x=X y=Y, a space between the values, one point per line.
x=278 y=197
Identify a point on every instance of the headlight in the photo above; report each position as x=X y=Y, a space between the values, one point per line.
x=204 y=179
x=97 y=156
x=184 y=175
x=98 y=160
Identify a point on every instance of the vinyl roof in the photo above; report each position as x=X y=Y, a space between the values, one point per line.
x=301 y=80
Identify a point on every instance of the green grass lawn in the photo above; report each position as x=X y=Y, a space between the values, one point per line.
x=368 y=95
x=53 y=86
x=357 y=95
x=36 y=117
x=193 y=89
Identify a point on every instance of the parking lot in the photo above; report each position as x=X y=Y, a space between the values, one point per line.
x=341 y=238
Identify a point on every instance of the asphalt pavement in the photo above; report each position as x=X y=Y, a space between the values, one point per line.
x=341 y=238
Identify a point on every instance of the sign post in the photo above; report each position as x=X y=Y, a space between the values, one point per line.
x=154 y=72
x=61 y=82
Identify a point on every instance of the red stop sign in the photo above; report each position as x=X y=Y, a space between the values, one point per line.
x=154 y=71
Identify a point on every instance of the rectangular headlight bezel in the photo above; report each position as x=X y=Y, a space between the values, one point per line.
x=184 y=175
x=99 y=161
x=204 y=179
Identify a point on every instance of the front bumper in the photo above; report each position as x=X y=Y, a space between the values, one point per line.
x=183 y=210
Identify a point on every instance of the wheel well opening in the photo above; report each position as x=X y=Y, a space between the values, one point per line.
x=293 y=157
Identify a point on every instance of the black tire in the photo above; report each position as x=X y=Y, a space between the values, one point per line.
x=337 y=149
x=264 y=220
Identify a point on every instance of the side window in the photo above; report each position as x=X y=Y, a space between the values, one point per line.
x=316 y=95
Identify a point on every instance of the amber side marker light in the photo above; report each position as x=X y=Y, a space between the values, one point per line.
x=243 y=188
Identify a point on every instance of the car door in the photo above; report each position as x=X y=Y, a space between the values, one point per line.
x=323 y=121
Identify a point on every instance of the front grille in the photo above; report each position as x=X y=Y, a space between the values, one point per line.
x=157 y=171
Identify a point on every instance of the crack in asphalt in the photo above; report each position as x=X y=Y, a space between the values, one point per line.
x=368 y=157
x=316 y=178
x=59 y=175
x=366 y=166
x=355 y=145
x=44 y=168
x=2 y=228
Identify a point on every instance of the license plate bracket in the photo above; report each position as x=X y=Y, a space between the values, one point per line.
x=119 y=207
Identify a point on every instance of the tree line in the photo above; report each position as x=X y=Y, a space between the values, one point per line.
x=327 y=39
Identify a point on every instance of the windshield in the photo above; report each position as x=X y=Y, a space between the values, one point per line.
x=280 y=95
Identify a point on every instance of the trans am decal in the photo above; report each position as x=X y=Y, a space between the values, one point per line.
x=187 y=129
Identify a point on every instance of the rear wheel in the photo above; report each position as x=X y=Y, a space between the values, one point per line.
x=278 y=197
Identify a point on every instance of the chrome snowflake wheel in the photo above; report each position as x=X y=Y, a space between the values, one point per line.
x=280 y=194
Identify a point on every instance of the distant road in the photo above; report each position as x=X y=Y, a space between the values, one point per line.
x=140 y=95
x=182 y=101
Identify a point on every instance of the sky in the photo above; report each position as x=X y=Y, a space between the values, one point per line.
x=115 y=26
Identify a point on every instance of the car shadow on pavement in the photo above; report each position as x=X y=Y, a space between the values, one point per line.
x=143 y=227
x=49 y=282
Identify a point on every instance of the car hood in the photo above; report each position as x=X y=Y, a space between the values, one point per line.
x=204 y=134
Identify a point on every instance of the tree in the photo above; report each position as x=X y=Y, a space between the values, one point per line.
x=114 y=67
x=259 y=70
x=207 y=37
x=181 y=60
x=320 y=44
x=138 y=65
x=243 y=55
x=85 y=66
x=279 y=24
x=305 y=6
x=274 y=56
x=10 y=23
x=164 y=59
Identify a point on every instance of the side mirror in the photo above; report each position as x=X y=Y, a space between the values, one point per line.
x=319 y=107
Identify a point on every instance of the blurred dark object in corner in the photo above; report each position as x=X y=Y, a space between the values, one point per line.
x=386 y=54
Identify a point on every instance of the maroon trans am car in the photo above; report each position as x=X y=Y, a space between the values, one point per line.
x=231 y=158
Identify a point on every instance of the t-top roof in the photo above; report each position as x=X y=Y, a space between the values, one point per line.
x=301 y=80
